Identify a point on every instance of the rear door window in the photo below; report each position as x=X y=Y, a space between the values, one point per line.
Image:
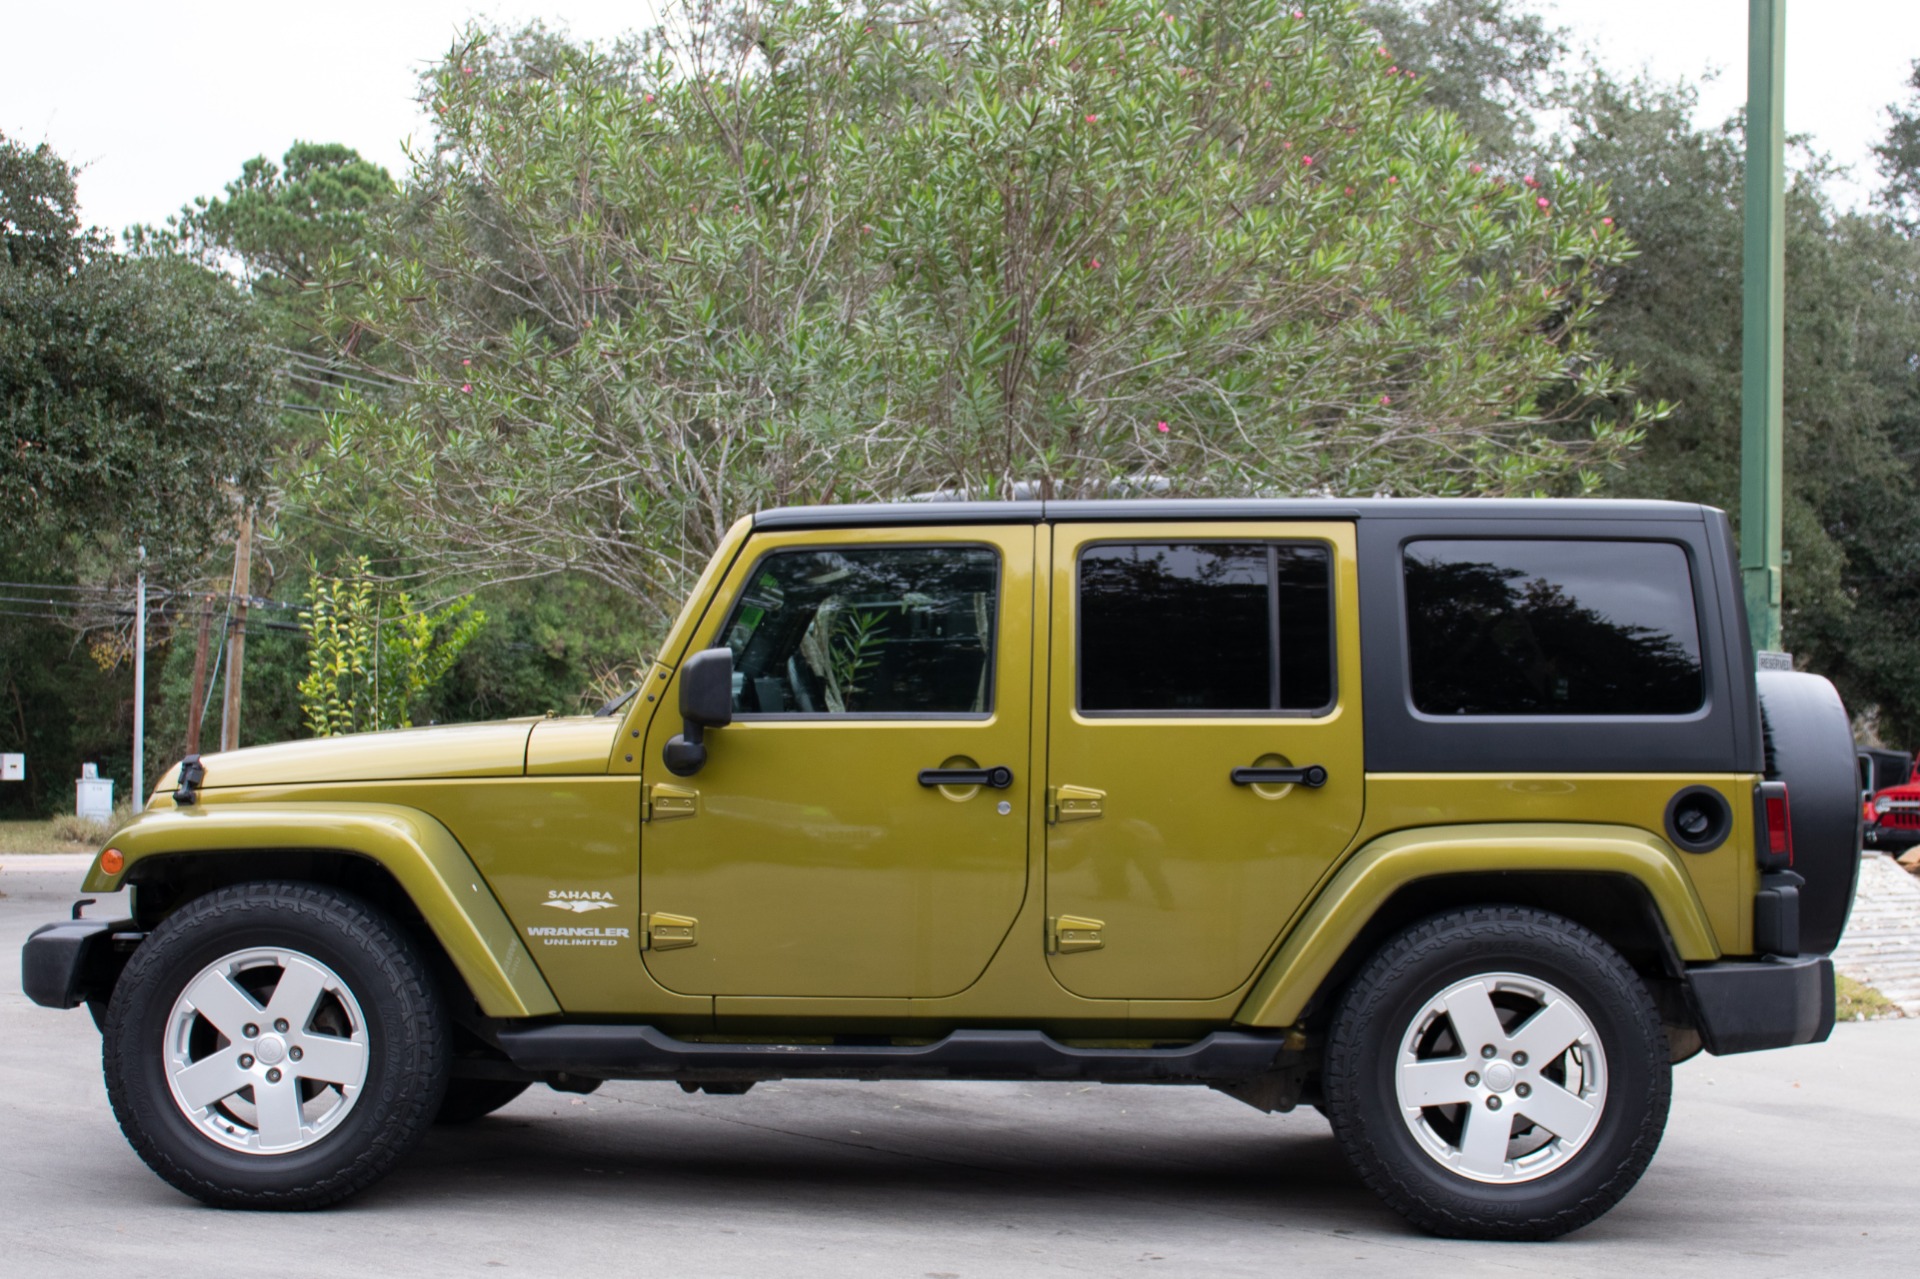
x=1205 y=627
x=1540 y=627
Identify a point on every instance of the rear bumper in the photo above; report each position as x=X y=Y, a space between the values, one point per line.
x=1768 y=1003
x=65 y=964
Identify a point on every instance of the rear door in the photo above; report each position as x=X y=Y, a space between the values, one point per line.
x=1183 y=655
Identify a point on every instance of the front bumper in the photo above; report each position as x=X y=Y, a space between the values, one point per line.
x=1893 y=838
x=1768 y=1003
x=63 y=965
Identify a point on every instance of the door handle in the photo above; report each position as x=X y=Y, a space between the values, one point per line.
x=999 y=777
x=1313 y=777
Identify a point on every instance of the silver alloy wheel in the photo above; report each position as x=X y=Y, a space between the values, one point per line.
x=1501 y=1078
x=266 y=1051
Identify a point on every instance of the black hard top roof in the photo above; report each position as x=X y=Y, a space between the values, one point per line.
x=1308 y=508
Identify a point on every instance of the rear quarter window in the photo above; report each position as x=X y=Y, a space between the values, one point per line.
x=1547 y=627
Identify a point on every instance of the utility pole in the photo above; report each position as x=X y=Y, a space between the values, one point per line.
x=1763 y=345
x=197 y=702
x=237 y=635
x=138 y=790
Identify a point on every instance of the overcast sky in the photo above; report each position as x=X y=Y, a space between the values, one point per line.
x=160 y=102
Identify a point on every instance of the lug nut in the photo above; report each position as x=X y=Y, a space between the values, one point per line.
x=246 y=1061
x=1473 y=1079
x=281 y=1025
x=273 y=1077
x=1525 y=1090
x=250 y=1030
x=1519 y=1059
x=1493 y=1103
x=1487 y=1051
x=296 y=1054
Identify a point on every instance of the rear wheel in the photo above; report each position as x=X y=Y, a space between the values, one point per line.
x=274 y=1046
x=1498 y=1073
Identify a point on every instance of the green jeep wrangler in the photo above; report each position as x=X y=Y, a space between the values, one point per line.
x=1461 y=821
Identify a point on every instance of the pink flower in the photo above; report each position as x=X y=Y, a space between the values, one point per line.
x=1473 y=168
x=1349 y=190
x=649 y=97
x=466 y=364
x=1544 y=203
x=1286 y=146
x=1092 y=118
x=1606 y=221
x=466 y=70
x=1530 y=181
x=1393 y=182
x=1093 y=264
x=466 y=388
x=1306 y=159
x=1386 y=399
x=1393 y=70
x=1297 y=15
x=1161 y=427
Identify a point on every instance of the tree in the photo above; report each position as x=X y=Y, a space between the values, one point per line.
x=1493 y=66
x=1899 y=158
x=1852 y=404
x=280 y=222
x=799 y=253
x=132 y=390
x=372 y=656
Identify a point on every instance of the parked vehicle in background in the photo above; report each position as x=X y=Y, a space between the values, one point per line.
x=1459 y=820
x=1890 y=819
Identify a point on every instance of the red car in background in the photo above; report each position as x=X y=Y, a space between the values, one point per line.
x=1891 y=816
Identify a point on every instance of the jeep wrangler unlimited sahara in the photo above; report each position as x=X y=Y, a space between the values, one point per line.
x=1461 y=821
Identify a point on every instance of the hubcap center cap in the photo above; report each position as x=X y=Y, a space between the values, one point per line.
x=1498 y=1074
x=270 y=1049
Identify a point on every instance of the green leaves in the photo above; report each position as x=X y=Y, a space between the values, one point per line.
x=372 y=657
x=800 y=253
x=131 y=389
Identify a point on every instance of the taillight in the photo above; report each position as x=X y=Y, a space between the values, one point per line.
x=1773 y=837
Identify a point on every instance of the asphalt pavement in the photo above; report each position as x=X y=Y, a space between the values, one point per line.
x=1798 y=1162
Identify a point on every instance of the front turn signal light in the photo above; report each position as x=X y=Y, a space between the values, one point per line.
x=113 y=861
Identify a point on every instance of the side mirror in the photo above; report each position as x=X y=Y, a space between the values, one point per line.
x=706 y=701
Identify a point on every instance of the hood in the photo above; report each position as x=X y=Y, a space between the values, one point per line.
x=453 y=750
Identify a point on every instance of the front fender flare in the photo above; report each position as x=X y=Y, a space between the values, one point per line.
x=1381 y=868
x=422 y=856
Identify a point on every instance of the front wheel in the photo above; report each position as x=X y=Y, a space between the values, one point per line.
x=1498 y=1073
x=274 y=1046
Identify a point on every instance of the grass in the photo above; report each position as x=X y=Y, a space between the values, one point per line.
x=1857 y=1001
x=66 y=834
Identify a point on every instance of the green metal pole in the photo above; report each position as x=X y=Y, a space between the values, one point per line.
x=1762 y=338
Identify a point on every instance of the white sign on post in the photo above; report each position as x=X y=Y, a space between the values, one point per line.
x=13 y=768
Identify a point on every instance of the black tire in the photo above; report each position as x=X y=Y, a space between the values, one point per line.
x=1809 y=739
x=1531 y=959
x=471 y=1099
x=374 y=1016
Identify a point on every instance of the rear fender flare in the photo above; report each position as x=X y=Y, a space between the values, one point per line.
x=421 y=854
x=1315 y=946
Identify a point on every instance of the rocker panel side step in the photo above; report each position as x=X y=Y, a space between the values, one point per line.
x=642 y=1052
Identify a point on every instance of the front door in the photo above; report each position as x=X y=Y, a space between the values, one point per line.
x=812 y=857
x=1183 y=656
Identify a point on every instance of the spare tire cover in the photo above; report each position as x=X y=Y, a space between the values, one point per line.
x=1810 y=748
